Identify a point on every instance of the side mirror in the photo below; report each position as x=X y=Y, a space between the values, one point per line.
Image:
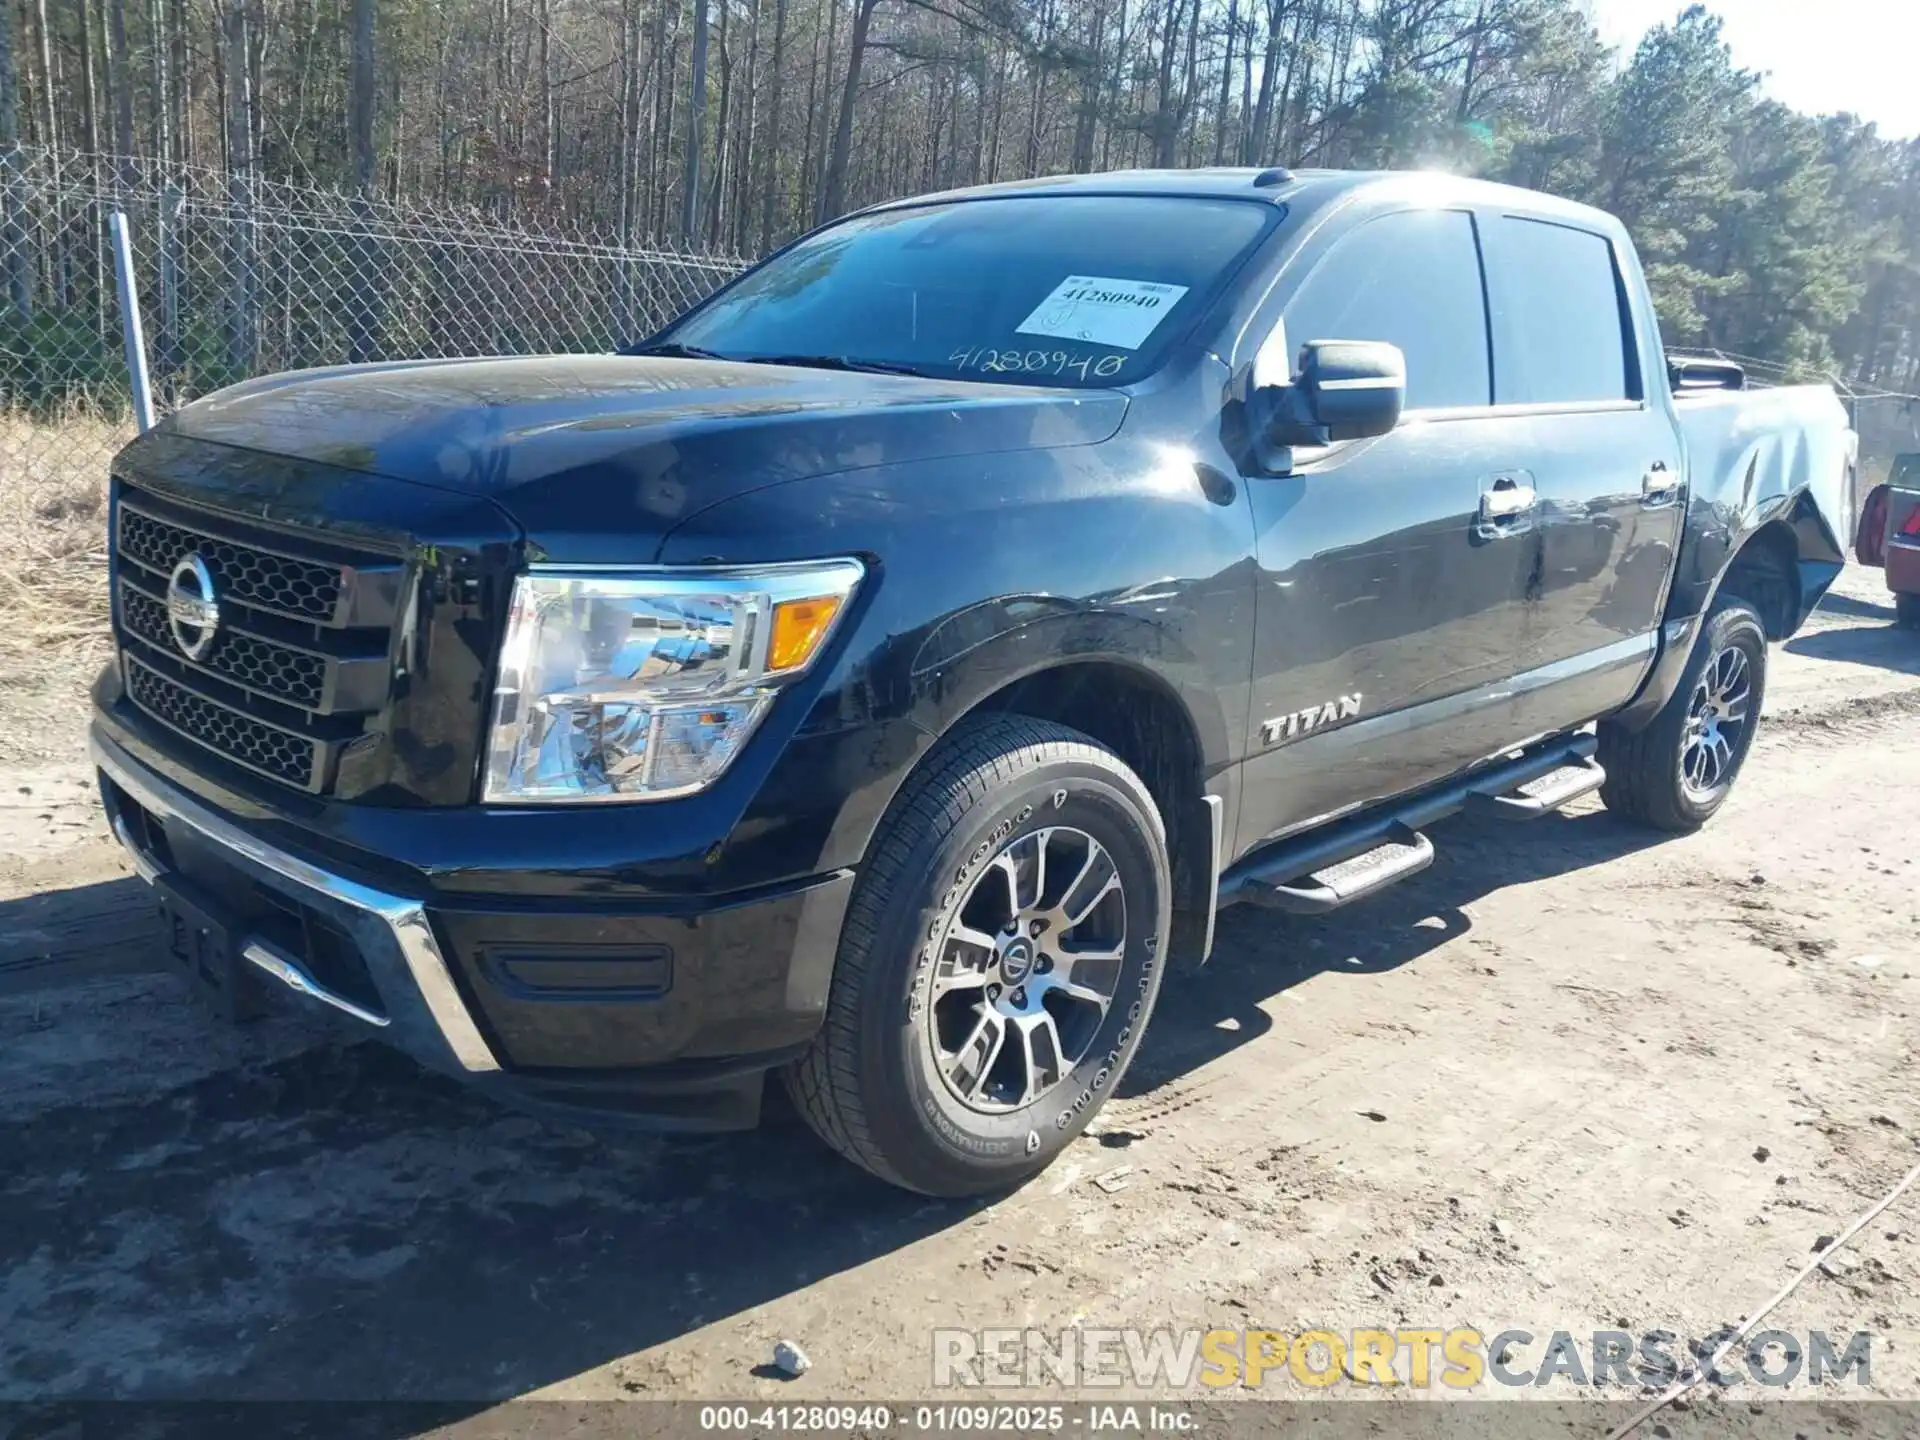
x=1344 y=390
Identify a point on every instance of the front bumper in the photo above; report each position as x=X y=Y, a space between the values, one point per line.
x=665 y=1016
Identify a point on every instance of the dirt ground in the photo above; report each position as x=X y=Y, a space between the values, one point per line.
x=1572 y=1077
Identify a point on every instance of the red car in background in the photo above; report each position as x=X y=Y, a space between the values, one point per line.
x=1889 y=536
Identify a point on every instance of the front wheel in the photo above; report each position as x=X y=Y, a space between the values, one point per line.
x=1000 y=958
x=1679 y=770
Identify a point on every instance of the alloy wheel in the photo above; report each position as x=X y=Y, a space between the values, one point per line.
x=1028 y=968
x=1717 y=720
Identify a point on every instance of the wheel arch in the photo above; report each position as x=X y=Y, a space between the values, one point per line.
x=1781 y=563
x=1765 y=572
x=1126 y=684
x=1139 y=717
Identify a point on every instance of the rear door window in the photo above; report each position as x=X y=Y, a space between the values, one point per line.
x=1559 y=325
x=1411 y=279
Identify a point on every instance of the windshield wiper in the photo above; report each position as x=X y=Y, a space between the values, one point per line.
x=674 y=350
x=834 y=362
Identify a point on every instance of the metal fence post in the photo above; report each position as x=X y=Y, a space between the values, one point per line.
x=220 y=274
x=136 y=342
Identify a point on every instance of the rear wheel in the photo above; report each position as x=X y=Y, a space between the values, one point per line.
x=1679 y=770
x=1906 y=611
x=1001 y=956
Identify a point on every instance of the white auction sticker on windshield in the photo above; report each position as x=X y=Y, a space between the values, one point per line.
x=1102 y=311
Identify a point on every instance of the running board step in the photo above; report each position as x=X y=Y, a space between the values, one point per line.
x=1337 y=863
x=1539 y=797
x=1405 y=852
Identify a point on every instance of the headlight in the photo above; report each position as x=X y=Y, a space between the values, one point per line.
x=641 y=686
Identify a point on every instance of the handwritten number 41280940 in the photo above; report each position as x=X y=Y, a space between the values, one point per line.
x=1037 y=362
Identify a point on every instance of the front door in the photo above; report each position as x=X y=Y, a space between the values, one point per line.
x=1387 y=612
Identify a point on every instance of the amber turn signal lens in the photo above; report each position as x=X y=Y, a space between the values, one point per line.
x=798 y=628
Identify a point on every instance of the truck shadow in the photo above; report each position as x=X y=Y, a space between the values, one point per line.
x=1259 y=954
x=62 y=936
x=1888 y=647
x=1856 y=609
x=335 y=1224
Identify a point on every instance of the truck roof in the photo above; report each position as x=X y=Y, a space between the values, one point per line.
x=1297 y=189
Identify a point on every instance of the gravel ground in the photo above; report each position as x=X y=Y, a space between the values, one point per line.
x=1573 y=1077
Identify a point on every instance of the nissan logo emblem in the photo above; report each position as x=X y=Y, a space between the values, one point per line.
x=193 y=614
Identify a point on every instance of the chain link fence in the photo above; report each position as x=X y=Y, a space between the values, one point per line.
x=240 y=276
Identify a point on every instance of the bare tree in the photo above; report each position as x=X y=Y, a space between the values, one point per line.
x=241 y=340
x=12 y=228
x=364 y=318
x=769 y=174
x=120 y=84
x=696 y=117
x=833 y=185
x=50 y=110
x=361 y=102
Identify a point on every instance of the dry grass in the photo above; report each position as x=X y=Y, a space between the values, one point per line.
x=53 y=542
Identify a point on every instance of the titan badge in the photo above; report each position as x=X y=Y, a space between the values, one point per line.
x=1283 y=728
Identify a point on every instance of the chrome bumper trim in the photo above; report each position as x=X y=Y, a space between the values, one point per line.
x=143 y=863
x=425 y=1013
x=290 y=973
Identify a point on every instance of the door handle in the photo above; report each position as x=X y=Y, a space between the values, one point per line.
x=1506 y=499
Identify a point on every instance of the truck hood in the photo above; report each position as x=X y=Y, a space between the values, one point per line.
x=586 y=448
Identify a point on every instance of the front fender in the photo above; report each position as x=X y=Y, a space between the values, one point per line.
x=983 y=576
x=972 y=654
x=923 y=684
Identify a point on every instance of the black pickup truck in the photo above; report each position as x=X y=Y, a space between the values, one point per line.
x=882 y=675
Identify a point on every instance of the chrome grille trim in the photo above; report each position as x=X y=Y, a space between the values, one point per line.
x=253 y=662
x=248 y=574
x=299 y=666
x=333 y=594
x=154 y=691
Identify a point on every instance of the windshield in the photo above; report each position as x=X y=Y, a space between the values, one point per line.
x=1056 y=290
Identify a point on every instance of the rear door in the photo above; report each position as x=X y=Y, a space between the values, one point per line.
x=1601 y=459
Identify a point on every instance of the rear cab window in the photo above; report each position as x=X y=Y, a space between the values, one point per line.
x=1560 y=320
x=1059 y=290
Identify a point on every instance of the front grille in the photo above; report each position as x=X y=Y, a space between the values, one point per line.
x=299 y=664
x=244 y=740
x=282 y=584
x=295 y=676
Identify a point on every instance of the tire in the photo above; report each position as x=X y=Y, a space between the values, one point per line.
x=1906 y=611
x=1870 y=538
x=1657 y=775
x=899 y=1079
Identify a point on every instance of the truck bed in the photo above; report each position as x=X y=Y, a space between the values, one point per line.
x=1751 y=449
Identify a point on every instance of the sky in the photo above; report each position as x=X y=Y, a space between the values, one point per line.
x=1817 y=55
